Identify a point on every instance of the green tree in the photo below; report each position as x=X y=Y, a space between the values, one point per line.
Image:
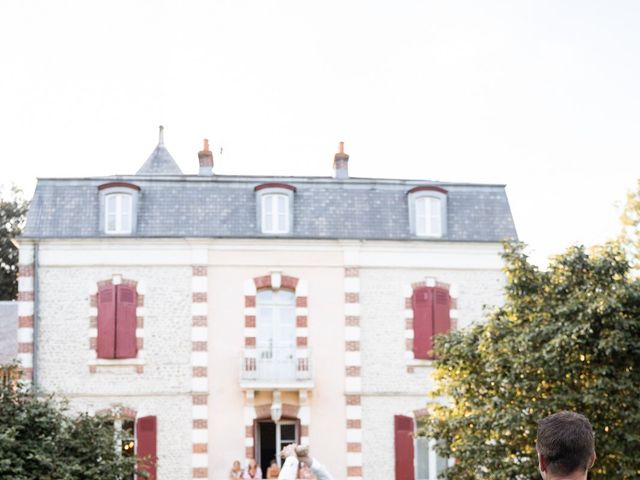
x=41 y=439
x=13 y=209
x=567 y=338
x=630 y=237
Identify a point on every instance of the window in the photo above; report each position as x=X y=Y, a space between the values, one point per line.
x=428 y=211
x=275 y=213
x=415 y=457
x=431 y=317
x=275 y=208
x=428 y=463
x=118 y=213
x=428 y=217
x=276 y=335
x=117 y=322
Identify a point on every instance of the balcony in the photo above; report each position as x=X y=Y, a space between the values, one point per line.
x=276 y=368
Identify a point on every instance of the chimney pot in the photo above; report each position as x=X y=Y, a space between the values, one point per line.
x=341 y=163
x=205 y=158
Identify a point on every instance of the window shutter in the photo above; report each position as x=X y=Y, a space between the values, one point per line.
x=441 y=318
x=422 y=303
x=127 y=300
x=106 y=322
x=146 y=445
x=403 y=434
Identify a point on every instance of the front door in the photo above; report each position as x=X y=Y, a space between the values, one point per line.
x=276 y=335
x=272 y=438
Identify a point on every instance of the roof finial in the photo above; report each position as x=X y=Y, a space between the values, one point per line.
x=161 y=136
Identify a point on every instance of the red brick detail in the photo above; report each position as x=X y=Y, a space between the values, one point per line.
x=304 y=430
x=200 y=448
x=352 y=346
x=454 y=303
x=289 y=282
x=199 y=399
x=354 y=471
x=140 y=301
x=25 y=296
x=421 y=413
x=301 y=341
x=199 y=321
x=264 y=411
x=92 y=369
x=411 y=369
x=93 y=300
x=443 y=285
x=104 y=283
x=200 y=473
x=262 y=282
x=353 y=399
x=355 y=424
x=139 y=322
x=199 y=371
x=93 y=343
x=249 y=341
x=199 y=346
x=248 y=452
x=408 y=323
x=248 y=431
x=408 y=303
x=301 y=301
x=352 y=297
x=126 y=281
x=199 y=271
x=250 y=301
x=25 y=347
x=199 y=424
x=26 y=270
x=139 y=368
x=409 y=343
x=354 y=447
x=301 y=321
x=353 y=371
x=250 y=321
x=352 y=321
x=25 y=321
x=93 y=322
x=140 y=343
x=199 y=297
x=351 y=272
x=290 y=411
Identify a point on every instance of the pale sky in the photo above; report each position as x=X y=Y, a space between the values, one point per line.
x=543 y=96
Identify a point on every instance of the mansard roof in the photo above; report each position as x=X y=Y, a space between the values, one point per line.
x=175 y=206
x=160 y=162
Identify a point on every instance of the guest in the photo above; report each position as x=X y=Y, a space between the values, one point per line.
x=236 y=471
x=252 y=471
x=274 y=470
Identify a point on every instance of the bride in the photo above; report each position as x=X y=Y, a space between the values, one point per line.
x=294 y=455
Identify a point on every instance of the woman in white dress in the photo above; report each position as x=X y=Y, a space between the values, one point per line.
x=294 y=455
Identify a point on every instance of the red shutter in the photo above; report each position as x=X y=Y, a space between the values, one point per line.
x=403 y=427
x=146 y=445
x=422 y=302
x=106 y=322
x=441 y=318
x=127 y=300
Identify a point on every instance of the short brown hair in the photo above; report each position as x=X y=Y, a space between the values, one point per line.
x=566 y=442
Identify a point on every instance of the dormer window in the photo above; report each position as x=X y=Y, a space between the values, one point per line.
x=428 y=211
x=118 y=208
x=275 y=208
x=118 y=213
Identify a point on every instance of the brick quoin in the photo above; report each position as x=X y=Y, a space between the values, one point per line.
x=200 y=473
x=354 y=471
x=262 y=282
x=351 y=297
x=248 y=431
x=139 y=322
x=351 y=272
x=289 y=282
x=301 y=301
x=199 y=346
x=199 y=321
x=353 y=371
x=199 y=371
x=248 y=452
x=93 y=343
x=140 y=300
x=26 y=270
x=25 y=296
x=199 y=271
x=352 y=321
x=199 y=424
x=25 y=347
x=93 y=300
x=250 y=301
x=352 y=346
x=354 y=447
x=301 y=321
x=353 y=399
x=250 y=321
x=356 y=424
x=304 y=430
x=301 y=341
x=249 y=341
x=199 y=297
x=140 y=343
x=139 y=368
x=199 y=399
x=200 y=448
x=25 y=321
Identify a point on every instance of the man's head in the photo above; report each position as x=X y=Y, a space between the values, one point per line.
x=565 y=444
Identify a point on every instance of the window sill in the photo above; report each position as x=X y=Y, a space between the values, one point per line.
x=420 y=363
x=116 y=362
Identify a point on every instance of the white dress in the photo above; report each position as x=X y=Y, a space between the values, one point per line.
x=290 y=470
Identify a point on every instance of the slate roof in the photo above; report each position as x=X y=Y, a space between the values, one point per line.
x=225 y=207
x=160 y=162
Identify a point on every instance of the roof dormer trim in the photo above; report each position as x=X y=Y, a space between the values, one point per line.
x=428 y=188
x=105 y=186
x=285 y=186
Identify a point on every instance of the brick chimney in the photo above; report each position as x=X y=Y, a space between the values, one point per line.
x=341 y=163
x=206 y=160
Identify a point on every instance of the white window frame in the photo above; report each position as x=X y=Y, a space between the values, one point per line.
x=115 y=208
x=267 y=205
x=428 y=213
x=432 y=459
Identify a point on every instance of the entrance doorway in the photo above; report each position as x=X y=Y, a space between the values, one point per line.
x=271 y=438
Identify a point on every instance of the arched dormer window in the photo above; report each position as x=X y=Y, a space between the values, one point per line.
x=118 y=208
x=428 y=211
x=275 y=208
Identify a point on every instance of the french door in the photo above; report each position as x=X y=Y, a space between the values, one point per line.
x=276 y=335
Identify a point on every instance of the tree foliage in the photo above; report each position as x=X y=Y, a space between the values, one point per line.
x=630 y=237
x=565 y=339
x=41 y=439
x=13 y=209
